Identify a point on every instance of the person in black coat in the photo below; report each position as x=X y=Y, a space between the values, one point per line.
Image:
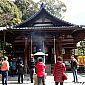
x=74 y=64
x=31 y=68
x=20 y=71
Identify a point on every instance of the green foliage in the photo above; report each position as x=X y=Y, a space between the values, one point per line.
x=5 y=49
x=55 y=7
x=12 y=13
x=81 y=48
x=27 y=7
x=9 y=13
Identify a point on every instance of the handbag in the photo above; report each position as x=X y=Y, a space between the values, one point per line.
x=64 y=77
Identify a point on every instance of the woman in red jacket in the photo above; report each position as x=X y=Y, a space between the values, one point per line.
x=40 y=66
x=59 y=69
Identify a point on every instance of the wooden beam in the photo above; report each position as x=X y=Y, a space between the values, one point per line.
x=68 y=43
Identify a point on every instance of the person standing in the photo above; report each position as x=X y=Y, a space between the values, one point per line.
x=10 y=65
x=40 y=67
x=14 y=66
x=20 y=71
x=58 y=71
x=31 y=68
x=74 y=64
x=0 y=64
x=4 y=70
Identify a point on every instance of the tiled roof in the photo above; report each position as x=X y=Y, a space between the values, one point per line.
x=56 y=21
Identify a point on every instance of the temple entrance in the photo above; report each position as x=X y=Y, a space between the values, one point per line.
x=46 y=32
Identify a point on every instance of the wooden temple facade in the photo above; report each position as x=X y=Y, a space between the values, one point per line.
x=43 y=31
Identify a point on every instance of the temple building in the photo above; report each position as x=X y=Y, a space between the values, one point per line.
x=46 y=32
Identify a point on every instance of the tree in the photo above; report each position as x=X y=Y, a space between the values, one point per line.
x=28 y=8
x=81 y=48
x=9 y=13
x=55 y=7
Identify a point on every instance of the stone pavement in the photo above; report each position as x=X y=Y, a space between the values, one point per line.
x=49 y=80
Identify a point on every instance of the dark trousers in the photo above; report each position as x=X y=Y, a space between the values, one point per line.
x=31 y=75
x=4 y=77
x=56 y=83
x=41 y=79
x=20 y=77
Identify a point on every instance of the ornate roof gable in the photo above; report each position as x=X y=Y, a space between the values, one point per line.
x=43 y=19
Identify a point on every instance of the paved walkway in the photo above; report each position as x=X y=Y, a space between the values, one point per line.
x=49 y=80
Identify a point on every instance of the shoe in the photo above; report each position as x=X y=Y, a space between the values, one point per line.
x=76 y=80
x=31 y=81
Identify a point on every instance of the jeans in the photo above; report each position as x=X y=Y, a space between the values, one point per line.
x=75 y=74
x=56 y=83
x=4 y=77
x=41 y=79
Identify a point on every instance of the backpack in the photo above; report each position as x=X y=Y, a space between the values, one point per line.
x=4 y=66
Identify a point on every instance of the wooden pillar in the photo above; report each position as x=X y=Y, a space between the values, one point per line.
x=57 y=49
x=30 y=50
x=26 y=54
x=54 y=50
x=31 y=45
x=44 y=50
